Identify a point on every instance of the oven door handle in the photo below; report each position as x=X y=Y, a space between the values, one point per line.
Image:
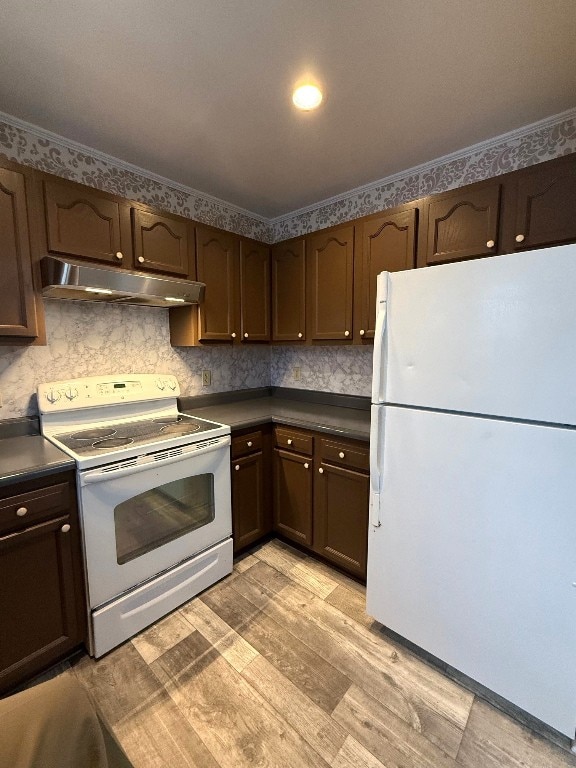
x=126 y=467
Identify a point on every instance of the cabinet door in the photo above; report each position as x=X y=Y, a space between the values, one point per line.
x=289 y=291
x=38 y=598
x=293 y=496
x=387 y=243
x=341 y=517
x=255 y=291
x=545 y=205
x=17 y=303
x=248 y=513
x=462 y=224
x=330 y=282
x=83 y=223
x=217 y=266
x=162 y=243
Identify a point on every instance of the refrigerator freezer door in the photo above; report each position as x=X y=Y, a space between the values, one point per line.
x=474 y=559
x=493 y=336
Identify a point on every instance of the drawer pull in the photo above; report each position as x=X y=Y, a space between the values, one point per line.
x=21 y=511
x=249 y=443
x=237 y=467
x=321 y=471
x=306 y=465
x=490 y=244
x=289 y=441
x=519 y=238
x=65 y=528
x=341 y=454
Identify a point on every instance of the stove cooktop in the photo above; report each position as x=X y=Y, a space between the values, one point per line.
x=149 y=433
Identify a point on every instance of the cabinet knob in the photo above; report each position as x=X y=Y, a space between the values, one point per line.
x=249 y=443
x=289 y=441
x=306 y=465
x=519 y=238
x=141 y=259
x=233 y=335
x=119 y=255
x=245 y=335
x=300 y=335
x=362 y=332
x=237 y=467
x=341 y=454
x=346 y=333
x=21 y=511
x=65 y=528
x=490 y=244
x=321 y=471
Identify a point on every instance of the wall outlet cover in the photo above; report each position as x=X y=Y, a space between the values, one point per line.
x=206 y=378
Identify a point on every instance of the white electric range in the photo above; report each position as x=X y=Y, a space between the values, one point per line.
x=154 y=496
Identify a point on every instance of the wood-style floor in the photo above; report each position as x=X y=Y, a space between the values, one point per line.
x=278 y=665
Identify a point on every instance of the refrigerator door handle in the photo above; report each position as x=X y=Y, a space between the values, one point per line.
x=376 y=463
x=379 y=373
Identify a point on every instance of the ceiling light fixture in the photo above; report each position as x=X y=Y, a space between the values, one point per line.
x=307 y=97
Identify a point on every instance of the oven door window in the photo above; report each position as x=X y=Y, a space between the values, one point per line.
x=151 y=519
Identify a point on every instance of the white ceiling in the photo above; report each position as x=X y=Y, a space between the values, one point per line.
x=199 y=90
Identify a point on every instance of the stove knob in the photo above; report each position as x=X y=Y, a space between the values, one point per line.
x=159 y=383
x=71 y=393
x=53 y=396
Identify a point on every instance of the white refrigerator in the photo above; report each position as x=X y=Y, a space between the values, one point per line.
x=472 y=536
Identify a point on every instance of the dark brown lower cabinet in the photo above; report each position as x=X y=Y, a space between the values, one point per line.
x=42 y=603
x=293 y=496
x=251 y=502
x=341 y=517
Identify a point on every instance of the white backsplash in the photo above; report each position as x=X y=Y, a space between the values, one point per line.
x=87 y=339
x=344 y=370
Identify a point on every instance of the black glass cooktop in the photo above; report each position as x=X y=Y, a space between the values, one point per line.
x=149 y=432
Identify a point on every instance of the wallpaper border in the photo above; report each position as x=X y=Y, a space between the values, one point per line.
x=543 y=140
x=34 y=146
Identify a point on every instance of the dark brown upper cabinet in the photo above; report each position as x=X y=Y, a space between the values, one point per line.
x=542 y=210
x=18 y=318
x=289 y=291
x=254 y=291
x=163 y=243
x=217 y=265
x=86 y=223
x=461 y=224
x=330 y=275
x=385 y=242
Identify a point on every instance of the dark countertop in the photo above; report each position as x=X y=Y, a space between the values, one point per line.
x=333 y=419
x=30 y=456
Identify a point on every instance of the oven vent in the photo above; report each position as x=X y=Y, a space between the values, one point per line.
x=122 y=465
x=168 y=454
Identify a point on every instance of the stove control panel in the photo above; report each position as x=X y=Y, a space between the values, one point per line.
x=94 y=391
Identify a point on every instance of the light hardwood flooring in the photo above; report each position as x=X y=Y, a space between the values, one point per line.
x=278 y=665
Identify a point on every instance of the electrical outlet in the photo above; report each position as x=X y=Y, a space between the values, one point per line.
x=206 y=378
x=297 y=373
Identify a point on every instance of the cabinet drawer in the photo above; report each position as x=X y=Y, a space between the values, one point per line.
x=344 y=454
x=250 y=443
x=293 y=440
x=27 y=508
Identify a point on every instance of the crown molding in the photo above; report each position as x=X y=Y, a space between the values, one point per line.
x=466 y=152
x=76 y=146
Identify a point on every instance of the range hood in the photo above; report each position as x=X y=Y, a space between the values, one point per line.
x=67 y=279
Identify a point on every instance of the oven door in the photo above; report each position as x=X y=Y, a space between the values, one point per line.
x=142 y=516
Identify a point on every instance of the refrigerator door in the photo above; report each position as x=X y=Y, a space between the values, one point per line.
x=474 y=557
x=492 y=336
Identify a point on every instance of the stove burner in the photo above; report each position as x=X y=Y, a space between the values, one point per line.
x=112 y=442
x=168 y=419
x=180 y=429
x=93 y=434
